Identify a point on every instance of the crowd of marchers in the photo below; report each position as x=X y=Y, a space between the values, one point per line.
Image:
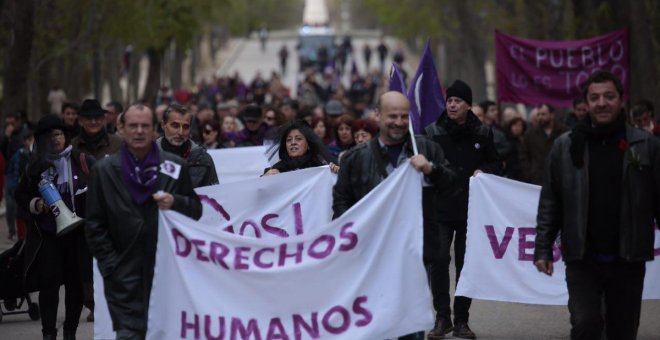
x=115 y=166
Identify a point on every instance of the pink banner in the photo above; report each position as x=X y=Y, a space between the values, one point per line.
x=538 y=72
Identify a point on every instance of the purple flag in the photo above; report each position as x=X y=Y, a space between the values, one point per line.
x=536 y=72
x=396 y=80
x=426 y=100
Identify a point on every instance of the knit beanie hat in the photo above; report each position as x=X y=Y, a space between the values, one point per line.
x=461 y=90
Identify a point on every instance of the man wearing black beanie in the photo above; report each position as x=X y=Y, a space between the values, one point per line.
x=469 y=148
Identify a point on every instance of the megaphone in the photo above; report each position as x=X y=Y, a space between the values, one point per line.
x=65 y=220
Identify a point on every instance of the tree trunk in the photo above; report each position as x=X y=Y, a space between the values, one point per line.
x=112 y=58
x=583 y=12
x=39 y=84
x=74 y=77
x=177 y=66
x=153 y=75
x=472 y=53
x=17 y=60
x=194 y=59
x=133 y=86
x=643 y=83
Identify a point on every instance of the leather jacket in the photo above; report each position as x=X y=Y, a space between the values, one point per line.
x=362 y=168
x=564 y=201
x=122 y=235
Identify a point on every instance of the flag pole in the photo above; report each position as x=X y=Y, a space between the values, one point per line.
x=412 y=136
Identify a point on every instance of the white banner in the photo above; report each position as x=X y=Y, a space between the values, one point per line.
x=358 y=277
x=237 y=164
x=264 y=207
x=272 y=206
x=500 y=248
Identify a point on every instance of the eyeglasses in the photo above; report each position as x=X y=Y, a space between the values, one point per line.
x=92 y=119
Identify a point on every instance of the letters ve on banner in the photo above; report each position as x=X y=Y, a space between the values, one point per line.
x=538 y=72
x=358 y=277
x=500 y=247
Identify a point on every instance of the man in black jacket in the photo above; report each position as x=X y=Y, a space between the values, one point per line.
x=125 y=192
x=366 y=165
x=602 y=191
x=176 y=124
x=469 y=148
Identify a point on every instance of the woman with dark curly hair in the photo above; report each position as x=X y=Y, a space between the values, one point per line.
x=300 y=148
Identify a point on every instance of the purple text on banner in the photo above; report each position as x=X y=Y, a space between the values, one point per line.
x=537 y=72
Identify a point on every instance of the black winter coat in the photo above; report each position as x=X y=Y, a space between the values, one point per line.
x=363 y=168
x=564 y=202
x=467 y=147
x=27 y=191
x=123 y=236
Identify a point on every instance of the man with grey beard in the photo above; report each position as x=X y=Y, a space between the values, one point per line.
x=176 y=126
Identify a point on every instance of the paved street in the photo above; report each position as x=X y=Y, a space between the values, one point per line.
x=246 y=57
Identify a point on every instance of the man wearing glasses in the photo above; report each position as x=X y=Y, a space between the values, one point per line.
x=176 y=125
x=93 y=138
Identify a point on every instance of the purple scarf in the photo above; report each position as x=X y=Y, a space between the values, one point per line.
x=140 y=176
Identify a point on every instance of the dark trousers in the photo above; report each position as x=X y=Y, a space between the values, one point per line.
x=130 y=334
x=10 y=212
x=438 y=271
x=58 y=264
x=604 y=295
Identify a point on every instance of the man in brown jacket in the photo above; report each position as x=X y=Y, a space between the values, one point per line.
x=536 y=144
x=93 y=139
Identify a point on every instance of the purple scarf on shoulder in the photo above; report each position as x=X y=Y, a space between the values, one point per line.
x=140 y=176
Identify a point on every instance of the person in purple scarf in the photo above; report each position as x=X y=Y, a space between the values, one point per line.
x=125 y=192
